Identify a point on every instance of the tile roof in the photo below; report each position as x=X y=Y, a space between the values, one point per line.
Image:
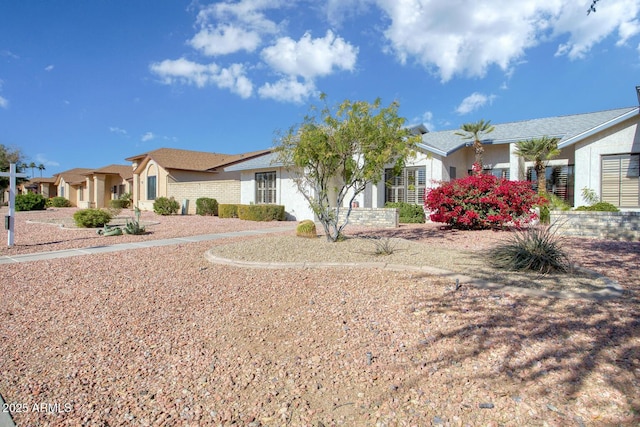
x=73 y=176
x=268 y=160
x=568 y=128
x=173 y=158
x=125 y=171
x=45 y=180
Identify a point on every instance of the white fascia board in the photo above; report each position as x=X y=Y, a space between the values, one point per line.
x=598 y=128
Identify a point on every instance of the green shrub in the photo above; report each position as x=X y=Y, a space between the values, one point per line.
x=30 y=202
x=554 y=203
x=91 y=218
x=599 y=207
x=410 y=213
x=261 y=212
x=206 y=206
x=165 y=206
x=58 y=202
x=227 y=211
x=534 y=249
x=306 y=228
x=119 y=203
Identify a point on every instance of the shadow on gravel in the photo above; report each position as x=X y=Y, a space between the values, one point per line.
x=531 y=342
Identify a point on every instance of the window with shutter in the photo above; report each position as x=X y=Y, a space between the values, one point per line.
x=620 y=182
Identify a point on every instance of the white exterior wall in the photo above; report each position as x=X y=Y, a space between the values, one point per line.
x=621 y=139
x=295 y=205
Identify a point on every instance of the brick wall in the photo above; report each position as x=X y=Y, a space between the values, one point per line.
x=372 y=217
x=222 y=191
x=600 y=225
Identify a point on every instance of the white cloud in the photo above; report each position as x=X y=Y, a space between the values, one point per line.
x=473 y=102
x=188 y=72
x=49 y=67
x=41 y=158
x=147 y=137
x=288 y=90
x=225 y=39
x=4 y=103
x=467 y=37
x=232 y=27
x=427 y=120
x=119 y=131
x=309 y=57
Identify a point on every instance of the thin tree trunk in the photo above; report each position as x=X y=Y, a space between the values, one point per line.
x=541 y=172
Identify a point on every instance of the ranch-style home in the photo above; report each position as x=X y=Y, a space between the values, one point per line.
x=71 y=184
x=43 y=185
x=106 y=184
x=93 y=188
x=186 y=176
x=599 y=151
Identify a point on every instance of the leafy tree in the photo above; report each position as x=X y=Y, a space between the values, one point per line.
x=7 y=156
x=592 y=8
x=538 y=151
x=474 y=131
x=32 y=166
x=334 y=153
x=41 y=168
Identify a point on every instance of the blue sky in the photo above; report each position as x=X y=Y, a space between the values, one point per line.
x=89 y=83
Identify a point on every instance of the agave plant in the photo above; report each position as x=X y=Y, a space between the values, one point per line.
x=134 y=227
x=533 y=249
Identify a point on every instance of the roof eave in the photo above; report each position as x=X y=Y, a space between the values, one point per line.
x=581 y=136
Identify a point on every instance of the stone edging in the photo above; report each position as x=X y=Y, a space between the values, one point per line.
x=612 y=290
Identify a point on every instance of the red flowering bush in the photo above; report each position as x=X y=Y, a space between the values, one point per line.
x=482 y=201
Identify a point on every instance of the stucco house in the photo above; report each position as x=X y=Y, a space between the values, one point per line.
x=105 y=184
x=186 y=176
x=599 y=151
x=72 y=185
x=43 y=185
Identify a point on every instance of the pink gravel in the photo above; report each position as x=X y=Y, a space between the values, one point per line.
x=159 y=336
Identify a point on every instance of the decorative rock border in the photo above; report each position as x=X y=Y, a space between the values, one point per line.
x=612 y=290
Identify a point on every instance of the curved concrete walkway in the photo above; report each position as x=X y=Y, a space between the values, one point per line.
x=66 y=253
x=612 y=290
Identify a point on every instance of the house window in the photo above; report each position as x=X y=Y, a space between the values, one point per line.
x=61 y=191
x=151 y=188
x=499 y=172
x=406 y=187
x=620 y=182
x=265 y=187
x=559 y=181
x=81 y=193
x=452 y=172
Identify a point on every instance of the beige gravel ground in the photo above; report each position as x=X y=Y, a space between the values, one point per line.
x=160 y=336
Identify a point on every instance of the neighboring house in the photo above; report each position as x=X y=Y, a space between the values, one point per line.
x=105 y=184
x=186 y=176
x=264 y=180
x=44 y=186
x=599 y=151
x=72 y=185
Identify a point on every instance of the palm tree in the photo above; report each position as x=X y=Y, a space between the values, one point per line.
x=41 y=168
x=474 y=131
x=538 y=151
x=32 y=165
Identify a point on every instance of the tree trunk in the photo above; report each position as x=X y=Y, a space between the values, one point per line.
x=479 y=150
x=541 y=173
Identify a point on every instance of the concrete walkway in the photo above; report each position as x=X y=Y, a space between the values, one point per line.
x=6 y=259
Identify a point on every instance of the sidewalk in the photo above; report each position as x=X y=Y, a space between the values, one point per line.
x=6 y=259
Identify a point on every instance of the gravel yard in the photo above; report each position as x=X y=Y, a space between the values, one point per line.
x=161 y=336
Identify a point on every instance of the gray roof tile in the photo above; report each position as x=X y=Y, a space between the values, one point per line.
x=567 y=128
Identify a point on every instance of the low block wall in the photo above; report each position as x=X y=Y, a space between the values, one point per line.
x=372 y=217
x=600 y=225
